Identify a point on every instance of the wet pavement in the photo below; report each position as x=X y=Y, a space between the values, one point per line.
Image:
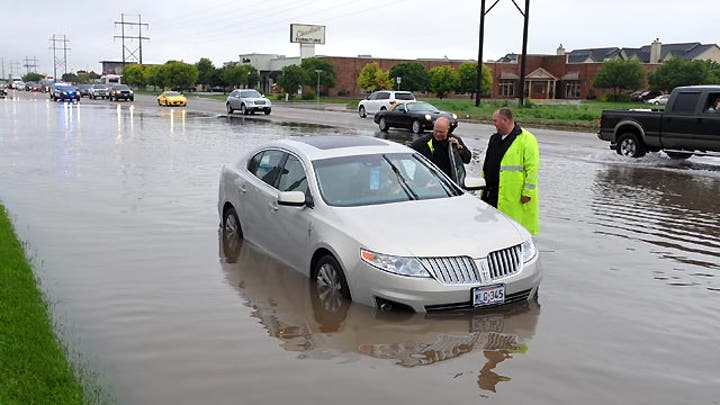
x=117 y=204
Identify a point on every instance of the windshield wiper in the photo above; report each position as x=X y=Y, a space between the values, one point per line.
x=411 y=194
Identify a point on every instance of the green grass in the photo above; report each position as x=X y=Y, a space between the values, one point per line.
x=33 y=364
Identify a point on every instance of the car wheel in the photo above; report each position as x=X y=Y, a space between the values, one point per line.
x=329 y=275
x=679 y=155
x=267 y=112
x=382 y=124
x=243 y=110
x=231 y=233
x=383 y=108
x=229 y=108
x=629 y=145
x=361 y=112
x=159 y=103
x=416 y=127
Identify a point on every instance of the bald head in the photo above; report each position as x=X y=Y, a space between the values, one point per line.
x=503 y=120
x=441 y=129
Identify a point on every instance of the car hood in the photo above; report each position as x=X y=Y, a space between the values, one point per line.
x=458 y=226
x=254 y=99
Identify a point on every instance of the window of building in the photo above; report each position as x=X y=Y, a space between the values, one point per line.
x=507 y=89
x=572 y=90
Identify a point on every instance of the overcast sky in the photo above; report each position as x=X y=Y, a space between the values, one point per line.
x=223 y=29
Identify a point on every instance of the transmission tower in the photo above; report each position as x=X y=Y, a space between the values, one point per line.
x=59 y=60
x=31 y=67
x=14 y=69
x=133 y=54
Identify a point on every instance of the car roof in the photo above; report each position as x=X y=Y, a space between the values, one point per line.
x=329 y=146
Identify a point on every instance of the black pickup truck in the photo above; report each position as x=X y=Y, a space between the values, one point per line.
x=688 y=125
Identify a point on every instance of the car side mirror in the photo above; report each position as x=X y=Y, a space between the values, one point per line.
x=474 y=183
x=292 y=199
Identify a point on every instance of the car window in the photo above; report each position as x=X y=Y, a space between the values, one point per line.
x=421 y=107
x=404 y=96
x=373 y=96
x=266 y=165
x=711 y=102
x=686 y=102
x=383 y=95
x=293 y=176
x=399 y=107
x=250 y=94
x=379 y=179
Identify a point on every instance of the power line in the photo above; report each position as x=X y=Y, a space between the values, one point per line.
x=135 y=53
x=59 y=60
x=31 y=67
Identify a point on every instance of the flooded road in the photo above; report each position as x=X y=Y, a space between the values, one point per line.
x=117 y=204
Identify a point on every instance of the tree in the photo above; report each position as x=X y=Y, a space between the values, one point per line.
x=206 y=71
x=372 y=78
x=179 y=74
x=32 y=77
x=467 y=79
x=327 y=77
x=291 y=78
x=414 y=76
x=134 y=75
x=232 y=75
x=680 y=72
x=620 y=75
x=69 y=77
x=248 y=75
x=443 y=79
x=155 y=75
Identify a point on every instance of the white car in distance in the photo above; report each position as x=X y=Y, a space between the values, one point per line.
x=382 y=100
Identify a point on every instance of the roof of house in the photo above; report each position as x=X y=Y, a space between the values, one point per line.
x=688 y=50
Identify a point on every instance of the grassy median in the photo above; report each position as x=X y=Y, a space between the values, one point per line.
x=33 y=365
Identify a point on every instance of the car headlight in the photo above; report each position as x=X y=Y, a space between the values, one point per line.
x=404 y=266
x=529 y=251
x=131 y=92
x=454 y=116
x=428 y=117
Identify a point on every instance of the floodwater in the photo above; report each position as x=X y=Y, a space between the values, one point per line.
x=117 y=205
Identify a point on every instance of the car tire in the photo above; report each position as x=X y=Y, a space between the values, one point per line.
x=416 y=127
x=383 y=108
x=328 y=274
x=229 y=108
x=267 y=111
x=679 y=155
x=628 y=144
x=232 y=234
x=159 y=103
x=243 y=110
x=361 y=112
x=382 y=124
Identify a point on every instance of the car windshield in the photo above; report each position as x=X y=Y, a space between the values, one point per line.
x=121 y=87
x=96 y=87
x=404 y=96
x=172 y=94
x=352 y=181
x=64 y=88
x=421 y=107
x=250 y=94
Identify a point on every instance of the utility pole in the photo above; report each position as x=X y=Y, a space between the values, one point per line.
x=135 y=53
x=14 y=69
x=59 y=61
x=3 y=67
x=478 y=81
x=31 y=67
x=526 y=15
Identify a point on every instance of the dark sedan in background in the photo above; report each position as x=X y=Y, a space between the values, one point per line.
x=416 y=116
x=62 y=92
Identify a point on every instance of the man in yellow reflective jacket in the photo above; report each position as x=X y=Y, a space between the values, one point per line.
x=511 y=169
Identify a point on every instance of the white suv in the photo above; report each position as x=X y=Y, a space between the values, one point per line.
x=247 y=101
x=382 y=100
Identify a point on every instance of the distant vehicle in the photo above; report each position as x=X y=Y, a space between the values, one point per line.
x=416 y=116
x=645 y=95
x=63 y=92
x=688 y=125
x=18 y=85
x=171 y=98
x=110 y=79
x=216 y=89
x=247 y=101
x=84 y=90
x=98 y=91
x=30 y=86
x=3 y=90
x=121 y=91
x=366 y=202
x=382 y=100
x=659 y=100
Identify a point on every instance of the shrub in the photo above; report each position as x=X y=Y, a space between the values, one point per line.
x=308 y=95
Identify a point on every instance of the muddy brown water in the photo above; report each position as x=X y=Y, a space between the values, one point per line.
x=118 y=209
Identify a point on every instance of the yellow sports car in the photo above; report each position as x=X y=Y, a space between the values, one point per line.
x=171 y=98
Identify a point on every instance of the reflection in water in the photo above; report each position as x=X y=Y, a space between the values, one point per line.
x=321 y=324
x=675 y=211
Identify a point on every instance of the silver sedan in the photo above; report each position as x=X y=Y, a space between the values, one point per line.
x=378 y=223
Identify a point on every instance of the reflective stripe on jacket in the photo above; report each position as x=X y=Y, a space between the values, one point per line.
x=519 y=177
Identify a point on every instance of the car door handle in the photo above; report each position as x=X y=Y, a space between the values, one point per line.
x=273 y=207
x=243 y=189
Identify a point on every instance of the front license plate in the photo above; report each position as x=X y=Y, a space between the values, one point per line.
x=491 y=295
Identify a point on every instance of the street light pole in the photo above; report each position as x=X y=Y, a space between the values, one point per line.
x=317 y=93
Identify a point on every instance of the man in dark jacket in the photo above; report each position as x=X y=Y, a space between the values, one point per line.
x=435 y=146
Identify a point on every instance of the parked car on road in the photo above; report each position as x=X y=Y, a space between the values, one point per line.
x=382 y=100
x=63 y=92
x=687 y=126
x=98 y=91
x=171 y=98
x=659 y=100
x=416 y=116
x=84 y=90
x=121 y=91
x=645 y=95
x=351 y=213
x=247 y=101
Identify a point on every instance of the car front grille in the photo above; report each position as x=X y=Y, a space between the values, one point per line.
x=462 y=270
x=259 y=102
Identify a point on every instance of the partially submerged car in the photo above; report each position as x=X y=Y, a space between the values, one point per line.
x=377 y=222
